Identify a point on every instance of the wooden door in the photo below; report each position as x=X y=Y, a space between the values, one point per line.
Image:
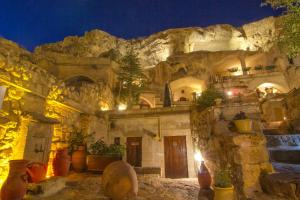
x=175 y=157
x=134 y=151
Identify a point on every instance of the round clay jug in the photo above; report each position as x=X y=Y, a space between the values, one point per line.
x=119 y=181
x=79 y=159
x=204 y=177
x=37 y=172
x=61 y=163
x=14 y=188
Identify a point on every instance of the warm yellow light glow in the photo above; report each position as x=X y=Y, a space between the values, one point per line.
x=198 y=156
x=229 y=93
x=198 y=94
x=122 y=106
x=104 y=106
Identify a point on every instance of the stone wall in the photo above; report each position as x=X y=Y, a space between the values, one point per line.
x=153 y=125
x=245 y=155
x=292 y=109
x=32 y=101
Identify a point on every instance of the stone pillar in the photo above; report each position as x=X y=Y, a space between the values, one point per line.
x=249 y=158
x=243 y=64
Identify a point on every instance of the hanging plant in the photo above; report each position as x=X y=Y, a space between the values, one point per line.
x=232 y=70
x=258 y=68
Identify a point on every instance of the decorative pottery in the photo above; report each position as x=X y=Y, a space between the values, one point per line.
x=14 y=188
x=204 y=177
x=61 y=163
x=97 y=163
x=79 y=159
x=243 y=125
x=218 y=101
x=224 y=193
x=36 y=172
x=119 y=181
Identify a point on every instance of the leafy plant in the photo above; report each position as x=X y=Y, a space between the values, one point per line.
x=240 y=115
x=208 y=97
x=248 y=69
x=116 y=150
x=77 y=138
x=270 y=67
x=101 y=148
x=223 y=179
x=289 y=32
x=233 y=69
x=131 y=79
x=258 y=68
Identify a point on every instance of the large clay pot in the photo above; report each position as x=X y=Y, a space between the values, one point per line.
x=14 y=188
x=37 y=172
x=97 y=163
x=119 y=181
x=224 y=193
x=61 y=163
x=243 y=125
x=79 y=159
x=204 y=177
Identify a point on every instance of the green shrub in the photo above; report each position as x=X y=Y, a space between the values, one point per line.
x=101 y=148
x=223 y=179
x=208 y=97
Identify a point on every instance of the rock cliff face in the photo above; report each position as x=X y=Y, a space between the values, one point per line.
x=159 y=46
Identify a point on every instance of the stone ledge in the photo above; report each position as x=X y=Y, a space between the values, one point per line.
x=282 y=184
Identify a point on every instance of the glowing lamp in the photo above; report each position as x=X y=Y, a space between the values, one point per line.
x=198 y=94
x=198 y=156
x=122 y=106
x=229 y=93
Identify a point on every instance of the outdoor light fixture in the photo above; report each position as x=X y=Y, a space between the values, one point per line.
x=198 y=94
x=122 y=106
x=229 y=93
x=198 y=156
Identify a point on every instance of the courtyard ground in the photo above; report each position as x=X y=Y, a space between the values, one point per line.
x=88 y=187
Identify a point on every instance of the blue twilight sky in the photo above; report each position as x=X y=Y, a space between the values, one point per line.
x=33 y=22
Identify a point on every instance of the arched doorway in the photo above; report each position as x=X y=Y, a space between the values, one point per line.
x=185 y=89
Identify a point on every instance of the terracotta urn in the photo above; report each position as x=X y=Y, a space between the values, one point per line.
x=36 y=172
x=14 y=188
x=61 y=162
x=204 y=177
x=79 y=159
x=119 y=181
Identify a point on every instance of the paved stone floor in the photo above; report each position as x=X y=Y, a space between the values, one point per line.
x=88 y=187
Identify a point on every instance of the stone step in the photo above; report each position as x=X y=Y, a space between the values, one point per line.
x=286 y=167
x=291 y=156
x=286 y=185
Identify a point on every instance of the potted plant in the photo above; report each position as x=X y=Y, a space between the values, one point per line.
x=258 y=68
x=223 y=187
x=270 y=67
x=232 y=70
x=102 y=155
x=209 y=97
x=242 y=123
x=77 y=148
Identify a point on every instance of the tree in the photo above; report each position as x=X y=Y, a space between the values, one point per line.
x=131 y=79
x=289 y=33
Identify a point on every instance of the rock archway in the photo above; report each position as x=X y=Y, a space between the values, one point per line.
x=185 y=89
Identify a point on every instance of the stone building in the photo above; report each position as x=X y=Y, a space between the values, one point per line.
x=45 y=94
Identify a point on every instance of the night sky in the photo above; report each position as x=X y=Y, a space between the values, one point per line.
x=33 y=22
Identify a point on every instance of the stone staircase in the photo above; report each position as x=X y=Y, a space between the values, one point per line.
x=284 y=152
